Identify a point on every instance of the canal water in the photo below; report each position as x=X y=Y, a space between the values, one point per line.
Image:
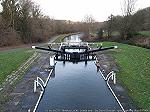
x=73 y=39
x=77 y=87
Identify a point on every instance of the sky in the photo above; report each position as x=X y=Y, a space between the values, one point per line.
x=75 y=10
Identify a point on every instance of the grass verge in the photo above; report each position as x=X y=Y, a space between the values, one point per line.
x=10 y=60
x=60 y=38
x=145 y=33
x=134 y=74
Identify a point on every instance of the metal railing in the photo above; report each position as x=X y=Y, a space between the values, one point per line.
x=40 y=83
x=112 y=75
x=71 y=43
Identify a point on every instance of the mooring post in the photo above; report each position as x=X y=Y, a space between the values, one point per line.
x=35 y=86
x=112 y=78
x=51 y=61
x=114 y=75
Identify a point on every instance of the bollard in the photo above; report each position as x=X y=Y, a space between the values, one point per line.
x=35 y=86
x=114 y=78
x=52 y=61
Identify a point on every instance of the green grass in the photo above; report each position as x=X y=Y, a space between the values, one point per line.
x=134 y=74
x=10 y=60
x=59 y=38
x=145 y=33
x=114 y=33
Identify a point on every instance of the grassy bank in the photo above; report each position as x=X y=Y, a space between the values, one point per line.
x=10 y=60
x=114 y=33
x=145 y=33
x=60 y=38
x=134 y=74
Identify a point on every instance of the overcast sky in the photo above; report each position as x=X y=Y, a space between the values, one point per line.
x=75 y=10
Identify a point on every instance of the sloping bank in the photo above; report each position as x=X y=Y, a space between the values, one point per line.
x=134 y=71
x=10 y=60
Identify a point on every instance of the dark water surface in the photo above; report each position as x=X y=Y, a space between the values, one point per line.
x=77 y=86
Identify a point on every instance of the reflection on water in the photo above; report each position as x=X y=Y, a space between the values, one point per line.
x=77 y=87
x=73 y=39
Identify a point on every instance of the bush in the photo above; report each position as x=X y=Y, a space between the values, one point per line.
x=9 y=37
x=100 y=33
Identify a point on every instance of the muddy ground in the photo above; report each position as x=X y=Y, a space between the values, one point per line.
x=108 y=64
x=18 y=96
x=22 y=97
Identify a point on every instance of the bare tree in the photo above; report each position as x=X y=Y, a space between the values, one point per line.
x=36 y=11
x=127 y=27
x=23 y=20
x=110 y=25
x=128 y=7
x=147 y=19
x=89 y=23
x=10 y=12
